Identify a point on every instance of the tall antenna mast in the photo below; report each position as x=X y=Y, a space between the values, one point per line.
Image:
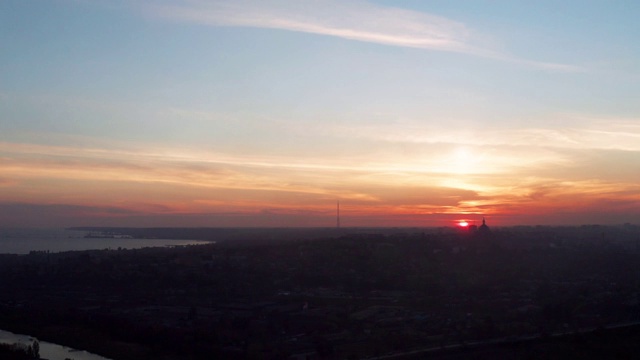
x=338 y=215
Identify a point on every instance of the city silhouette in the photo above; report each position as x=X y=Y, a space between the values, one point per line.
x=306 y=179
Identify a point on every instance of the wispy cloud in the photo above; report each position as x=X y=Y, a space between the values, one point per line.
x=577 y=132
x=7 y=182
x=353 y=20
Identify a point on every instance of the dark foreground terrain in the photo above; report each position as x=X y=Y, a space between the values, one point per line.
x=515 y=293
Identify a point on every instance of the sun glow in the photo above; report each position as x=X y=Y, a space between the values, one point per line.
x=463 y=223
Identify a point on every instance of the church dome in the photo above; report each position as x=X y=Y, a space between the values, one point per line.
x=484 y=228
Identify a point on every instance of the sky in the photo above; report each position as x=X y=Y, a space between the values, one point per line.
x=269 y=112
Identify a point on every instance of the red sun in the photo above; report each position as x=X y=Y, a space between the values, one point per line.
x=463 y=223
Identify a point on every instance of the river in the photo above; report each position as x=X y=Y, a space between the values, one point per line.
x=23 y=241
x=49 y=350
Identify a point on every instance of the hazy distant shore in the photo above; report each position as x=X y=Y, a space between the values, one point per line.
x=25 y=241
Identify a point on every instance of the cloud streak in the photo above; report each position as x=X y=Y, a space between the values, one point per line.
x=352 y=20
x=578 y=132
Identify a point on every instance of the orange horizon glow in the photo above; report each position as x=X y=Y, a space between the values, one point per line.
x=118 y=186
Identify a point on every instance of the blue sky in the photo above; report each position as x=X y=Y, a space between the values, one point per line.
x=417 y=112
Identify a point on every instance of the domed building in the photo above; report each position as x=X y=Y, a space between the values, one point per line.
x=484 y=229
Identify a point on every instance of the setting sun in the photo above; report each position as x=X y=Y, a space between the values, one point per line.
x=463 y=223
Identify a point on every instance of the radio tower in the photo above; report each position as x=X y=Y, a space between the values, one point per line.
x=338 y=215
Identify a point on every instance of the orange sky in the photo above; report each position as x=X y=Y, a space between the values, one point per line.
x=266 y=113
x=50 y=185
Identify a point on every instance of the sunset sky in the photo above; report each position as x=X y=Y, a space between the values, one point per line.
x=266 y=113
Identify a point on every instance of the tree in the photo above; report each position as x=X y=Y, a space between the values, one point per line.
x=33 y=351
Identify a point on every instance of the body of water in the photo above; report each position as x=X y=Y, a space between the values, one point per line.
x=23 y=241
x=49 y=350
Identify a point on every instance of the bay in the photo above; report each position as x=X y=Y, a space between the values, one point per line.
x=23 y=241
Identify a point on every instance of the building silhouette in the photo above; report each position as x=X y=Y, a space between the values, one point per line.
x=484 y=229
